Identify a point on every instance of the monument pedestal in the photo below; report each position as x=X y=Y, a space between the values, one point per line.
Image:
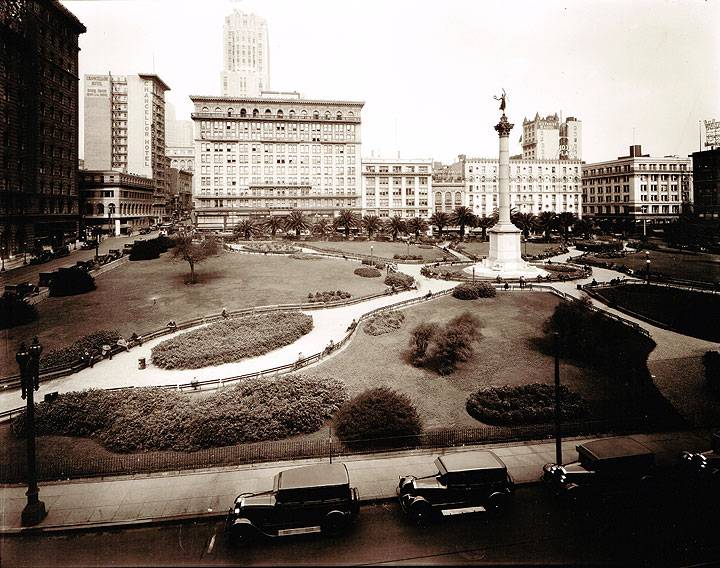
x=505 y=259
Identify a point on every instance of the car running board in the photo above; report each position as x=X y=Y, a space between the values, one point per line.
x=300 y=530
x=463 y=511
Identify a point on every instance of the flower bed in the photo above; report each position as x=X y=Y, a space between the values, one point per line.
x=148 y=419
x=278 y=248
x=329 y=296
x=231 y=340
x=385 y=322
x=367 y=272
x=71 y=354
x=524 y=404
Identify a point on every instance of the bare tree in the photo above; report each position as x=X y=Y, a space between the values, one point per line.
x=193 y=252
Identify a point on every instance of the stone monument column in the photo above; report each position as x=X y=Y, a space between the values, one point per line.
x=503 y=128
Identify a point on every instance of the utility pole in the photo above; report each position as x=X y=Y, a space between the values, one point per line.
x=558 y=437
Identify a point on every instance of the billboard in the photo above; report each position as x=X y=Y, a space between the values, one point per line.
x=712 y=133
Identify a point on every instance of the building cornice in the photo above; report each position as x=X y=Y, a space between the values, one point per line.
x=258 y=100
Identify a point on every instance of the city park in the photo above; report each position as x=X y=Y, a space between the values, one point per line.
x=370 y=333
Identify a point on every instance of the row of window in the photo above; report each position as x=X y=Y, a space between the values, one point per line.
x=280 y=113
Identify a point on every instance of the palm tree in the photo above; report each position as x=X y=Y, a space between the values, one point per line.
x=346 y=219
x=415 y=225
x=246 y=229
x=565 y=220
x=462 y=216
x=273 y=224
x=297 y=222
x=546 y=222
x=525 y=222
x=484 y=223
x=322 y=227
x=583 y=227
x=441 y=220
x=395 y=225
x=372 y=224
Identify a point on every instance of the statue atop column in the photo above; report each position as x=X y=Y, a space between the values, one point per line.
x=501 y=98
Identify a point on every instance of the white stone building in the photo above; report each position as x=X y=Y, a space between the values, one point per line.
x=640 y=186
x=550 y=138
x=273 y=154
x=399 y=187
x=246 y=56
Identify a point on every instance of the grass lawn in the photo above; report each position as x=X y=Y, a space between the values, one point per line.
x=506 y=354
x=482 y=248
x=690 y=313
x=382 y=248
x=123 y=299
x=702 y=267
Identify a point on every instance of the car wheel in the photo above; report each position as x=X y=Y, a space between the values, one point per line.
x=242 y=532
x=420 y=511
x=335 y=522
x=497 y=502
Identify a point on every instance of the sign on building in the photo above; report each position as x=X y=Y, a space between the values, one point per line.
x=712 y=133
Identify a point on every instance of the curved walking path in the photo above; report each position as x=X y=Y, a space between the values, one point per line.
x=675 y=363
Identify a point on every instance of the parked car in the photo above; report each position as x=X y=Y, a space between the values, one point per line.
x=62 y=251
x=127 y=248
x=702 y=469
x=310 y=499
x=89 y=244
x=144 y=231
x=41 y=257
x=465 y=482
x=21 y=290
x=606 y=466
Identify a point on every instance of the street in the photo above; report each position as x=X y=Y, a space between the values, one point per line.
x=537 y=529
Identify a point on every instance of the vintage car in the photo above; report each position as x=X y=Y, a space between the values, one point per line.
x=702 y=468
x=310 y=499
x=89 y=244
x=605 y=467
x=465 y=482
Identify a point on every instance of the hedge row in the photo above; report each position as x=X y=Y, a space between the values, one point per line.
x=231 y=340
x=473 y=290
x=149 y=418
x=71 y=354
x=328 y=296
x=71 y=281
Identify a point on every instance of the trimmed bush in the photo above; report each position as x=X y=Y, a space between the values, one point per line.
x=231 y=340
x=15 y=311
x=473 y=290
x=329 y=296
x=71 y=281
x=442 y=348
x=407 y=257
x=149 y=418
x=524 y=404
x=373 y=262
x=711 y=362
x=367 y=272
x=399 y=280
x=385 y=322
x=146 y=250
x=71 y=354
x=378 y=414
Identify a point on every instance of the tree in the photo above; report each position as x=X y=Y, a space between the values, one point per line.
x=546 y=222
x=583 y=227
x=416 y=225
x=297 y=222
x=246 y=229
x=484 y=223
x=462 y=217
x=347 y=220
x=395 y=225
x=193 y=252
x=322 y=227
x=441 y=220
x=274 y=223
x=525 y=222
x=372 y=224
x=565 y=220
x=420 y=340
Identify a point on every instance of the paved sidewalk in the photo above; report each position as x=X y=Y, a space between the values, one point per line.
x=176 y=496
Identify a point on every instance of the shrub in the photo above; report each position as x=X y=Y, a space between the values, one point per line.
x=441 y=349
x=525 y=404
x=148 y=418
x=472 y=290
x=146 y=250
x=329 y=296
x=281 y=248
x=367 y=272
x=71 y=354
x=305 y=256
x=71 y=281
x=711 y=362
x=407 y=257
x=384 y=322
x=15 y=311
x=399 y=280
x=231 y=340
x=374 y=262
x=420 y=340
x=375 y=416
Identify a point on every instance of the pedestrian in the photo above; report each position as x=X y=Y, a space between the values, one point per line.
x=224 y=313
x=123 y=344
x=106 y=351
x=507 y=286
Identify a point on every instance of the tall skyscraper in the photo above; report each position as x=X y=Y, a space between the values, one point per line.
x=246 y=56
x=547 y=138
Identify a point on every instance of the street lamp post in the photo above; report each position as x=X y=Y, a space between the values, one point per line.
x=28 y=360
x=647 y=268
x=558 y=437
x=3 y=260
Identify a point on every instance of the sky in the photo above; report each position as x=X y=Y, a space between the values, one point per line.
x=640 y=71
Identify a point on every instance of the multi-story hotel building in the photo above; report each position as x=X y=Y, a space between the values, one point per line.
x=706 y=183
x=125 y=128
x=115 y=201
x=246 y=56
x=535 y=185
x=273 y=154
x=449 y=185
x=178 y=141
x=397 y=187
x=39 y=132
x=639 y=186
x=549 y=138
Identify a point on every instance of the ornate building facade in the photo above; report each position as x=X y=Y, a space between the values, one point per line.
x=246 y=56
x=273 y=154
x=397 y=187
x=39 y=134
